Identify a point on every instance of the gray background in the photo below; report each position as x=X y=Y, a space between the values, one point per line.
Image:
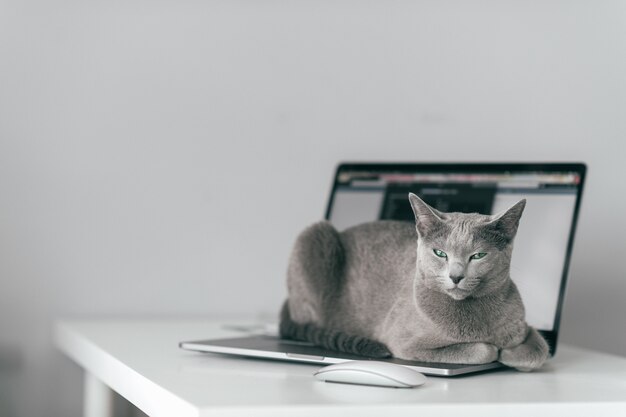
x=159 y=157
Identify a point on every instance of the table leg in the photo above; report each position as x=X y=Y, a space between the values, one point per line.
x=98 y=398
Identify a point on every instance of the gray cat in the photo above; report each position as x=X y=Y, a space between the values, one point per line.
x=371 y=290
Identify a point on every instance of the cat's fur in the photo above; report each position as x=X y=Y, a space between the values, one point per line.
x=372 y=290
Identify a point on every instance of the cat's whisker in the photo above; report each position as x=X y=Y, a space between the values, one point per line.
x=514 y=268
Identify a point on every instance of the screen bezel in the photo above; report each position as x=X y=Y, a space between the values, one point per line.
x=579 y=168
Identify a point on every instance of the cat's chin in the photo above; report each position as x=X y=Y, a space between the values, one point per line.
x=457 y=294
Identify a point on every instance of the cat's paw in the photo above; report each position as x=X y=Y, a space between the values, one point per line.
x=461 y=353
x=523 y=358
x=529 y=355
x=479 y=353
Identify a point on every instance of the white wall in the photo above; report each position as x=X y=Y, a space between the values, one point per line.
x=159 y=157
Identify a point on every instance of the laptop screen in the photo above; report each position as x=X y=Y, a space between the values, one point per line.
x=364 y=193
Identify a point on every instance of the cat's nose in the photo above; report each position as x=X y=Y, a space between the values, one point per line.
x=456 y=278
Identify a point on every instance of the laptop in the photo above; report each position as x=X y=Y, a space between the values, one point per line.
x=364 y=192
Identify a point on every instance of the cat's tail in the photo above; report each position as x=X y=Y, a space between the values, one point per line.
x=330 y=339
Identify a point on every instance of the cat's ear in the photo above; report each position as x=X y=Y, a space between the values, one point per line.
x=507 y=221
x=426 y=217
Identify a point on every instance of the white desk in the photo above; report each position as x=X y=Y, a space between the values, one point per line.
x=141 y=361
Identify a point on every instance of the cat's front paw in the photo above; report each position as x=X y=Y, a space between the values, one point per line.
x=527 y=356
x=480 y=353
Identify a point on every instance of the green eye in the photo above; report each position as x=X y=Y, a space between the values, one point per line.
x=440 y=253
x=478 y=255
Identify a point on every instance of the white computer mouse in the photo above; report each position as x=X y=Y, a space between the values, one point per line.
x=382 y=374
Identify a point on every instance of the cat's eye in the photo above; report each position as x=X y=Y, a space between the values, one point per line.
x=440 y=253
x=478 y=255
